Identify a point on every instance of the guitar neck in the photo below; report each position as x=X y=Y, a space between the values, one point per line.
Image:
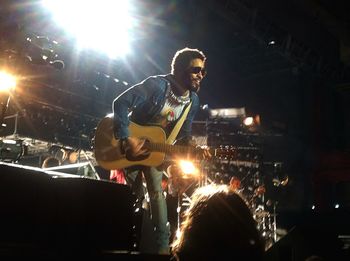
x=173 y=149
x=181 y=149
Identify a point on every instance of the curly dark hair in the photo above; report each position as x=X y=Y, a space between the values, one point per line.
x=183 y=57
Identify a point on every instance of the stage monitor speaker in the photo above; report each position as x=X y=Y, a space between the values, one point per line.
x=55 y=212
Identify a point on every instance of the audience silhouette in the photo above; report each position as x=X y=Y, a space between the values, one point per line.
x=218 y=224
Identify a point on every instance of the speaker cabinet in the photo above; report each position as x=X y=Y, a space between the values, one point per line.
x=41 y=210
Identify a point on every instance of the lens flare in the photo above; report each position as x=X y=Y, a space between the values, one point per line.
x=7 y=82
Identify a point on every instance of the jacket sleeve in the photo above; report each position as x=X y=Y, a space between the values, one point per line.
x=124 y=104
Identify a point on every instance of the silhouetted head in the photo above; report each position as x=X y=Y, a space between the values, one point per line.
x=218 y=224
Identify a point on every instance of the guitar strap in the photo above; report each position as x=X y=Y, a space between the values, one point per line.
x=178 y=125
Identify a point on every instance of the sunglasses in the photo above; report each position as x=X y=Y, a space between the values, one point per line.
x=196 y=70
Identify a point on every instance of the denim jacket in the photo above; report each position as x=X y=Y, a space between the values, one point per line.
x=145 y=100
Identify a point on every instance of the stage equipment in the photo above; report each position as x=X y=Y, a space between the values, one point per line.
x=41 y=50
x=227 y=113
x=83 y=169
x=58 y=213
x=245 y=172
x=183 y=177
x=11 y=150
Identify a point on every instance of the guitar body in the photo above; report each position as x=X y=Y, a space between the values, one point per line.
x=108 y=151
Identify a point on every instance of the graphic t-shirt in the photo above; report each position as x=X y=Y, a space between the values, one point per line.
x=171 y=110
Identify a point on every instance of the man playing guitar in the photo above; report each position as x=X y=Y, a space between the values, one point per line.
x=162 y=101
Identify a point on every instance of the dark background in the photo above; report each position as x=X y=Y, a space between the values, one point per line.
x=300 y=86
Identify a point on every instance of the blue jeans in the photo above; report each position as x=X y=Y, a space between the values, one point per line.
x=158 y=204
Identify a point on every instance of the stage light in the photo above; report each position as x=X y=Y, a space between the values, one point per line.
x=102 y=25
x=187 y=167
x=7 y=82
x=227 y=113
x=248 y=121
x=251 y=122
x=181 y=175
x=336 y=206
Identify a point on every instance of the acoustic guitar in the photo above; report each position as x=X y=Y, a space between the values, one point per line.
x=110 y=155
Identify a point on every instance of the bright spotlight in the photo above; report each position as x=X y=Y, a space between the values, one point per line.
x=251 y=121
x=187 y=167
x=102 y=25
x=7 y=82
x=248 y=121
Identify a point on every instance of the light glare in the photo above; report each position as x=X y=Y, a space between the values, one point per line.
x=248 y=121
x=187 y=167
x=102 y=25
x=7 y=82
